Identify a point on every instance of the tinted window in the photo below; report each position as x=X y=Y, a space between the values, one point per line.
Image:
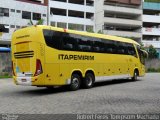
x=26 y=15
x=131 y=50
x=36 y=16
x=141 y=55
x=69 y=42
x=4 y=12
x=122 y=48
x=53 y=38
x=73 y=42
x=84 y=44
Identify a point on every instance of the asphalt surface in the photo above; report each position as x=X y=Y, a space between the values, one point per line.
x=119 y=97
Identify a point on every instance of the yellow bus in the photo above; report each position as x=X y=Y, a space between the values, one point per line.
x=46 y=56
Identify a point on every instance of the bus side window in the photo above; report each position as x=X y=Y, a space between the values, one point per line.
x=52 y=38
x=69 y=42
x=96 y=46
x=131 y=50
x=84 y=44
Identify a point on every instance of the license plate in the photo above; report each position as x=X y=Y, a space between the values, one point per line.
x=24 y=80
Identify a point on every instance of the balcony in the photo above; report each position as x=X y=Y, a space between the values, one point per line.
x=120 y=9
x=151 y=18
x=123 y=33
x=151 y=31
x=155 y=44
x=151 y=6
x=68 y=19
x=71 y=6
x=120 y=21
x=133 y=2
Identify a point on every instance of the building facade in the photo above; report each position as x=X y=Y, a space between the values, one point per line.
x=119 y=17
x=15 y=14
x=151 y=24
x=72 y=14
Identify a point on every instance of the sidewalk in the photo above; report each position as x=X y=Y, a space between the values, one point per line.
x=3 y=80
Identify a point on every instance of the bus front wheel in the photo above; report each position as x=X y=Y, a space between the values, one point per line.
x=135 y=76
x=75 y=82
x=89 y=80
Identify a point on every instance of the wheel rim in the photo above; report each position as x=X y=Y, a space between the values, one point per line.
x=89 y=81
x=75 y=82
x=135 y=76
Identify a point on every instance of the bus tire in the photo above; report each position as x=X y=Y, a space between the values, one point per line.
x=135 y=76
x=88 y=81
x=75 y=82
x=50 y=87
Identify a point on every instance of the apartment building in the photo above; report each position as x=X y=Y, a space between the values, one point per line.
x=151 y=24
x=119 y=17
x=17 y=13
x=72 y=14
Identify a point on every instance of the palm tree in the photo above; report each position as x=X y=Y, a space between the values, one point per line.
x=39 y=22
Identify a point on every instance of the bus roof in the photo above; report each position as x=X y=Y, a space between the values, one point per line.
x=103 y=36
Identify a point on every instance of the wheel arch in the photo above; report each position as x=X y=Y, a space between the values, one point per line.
x=136 y=70
x=90 y=71
x=77 y=71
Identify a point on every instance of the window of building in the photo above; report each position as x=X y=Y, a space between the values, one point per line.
x=12 y=10
x=36 y=16
x=12 y=26
x=89 y=2
x=4 y=28
x=60 y=0
x=61 y=25
x=57 y=11
x=89 y=28
x=4 y=12
x=90 y=15
x=81 y=2
x=44 y=15
x=76 y=27
x=18 y=11
x=53 y=24
x=73 y=13
x=17 y=26
x=26 y=15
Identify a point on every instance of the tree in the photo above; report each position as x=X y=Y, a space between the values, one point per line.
x=100 y=32
x=152 y=52
x=40 y=22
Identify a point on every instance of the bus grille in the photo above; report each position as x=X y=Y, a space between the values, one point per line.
x=25 y=54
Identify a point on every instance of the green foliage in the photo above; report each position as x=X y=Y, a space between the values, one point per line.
x=40 y=22
x=158 y=69
x=152 y=52
x=100 y=32
x=90 y=30
x=142 y=46
x=156 y=1
x=153 y=70
x=30 y=22
x=5 y=77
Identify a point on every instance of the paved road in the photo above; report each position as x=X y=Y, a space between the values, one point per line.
x=124 y=96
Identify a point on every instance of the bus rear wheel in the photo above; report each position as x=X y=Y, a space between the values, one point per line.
x=88 y=82
x=75 y=82
x=135 y=76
